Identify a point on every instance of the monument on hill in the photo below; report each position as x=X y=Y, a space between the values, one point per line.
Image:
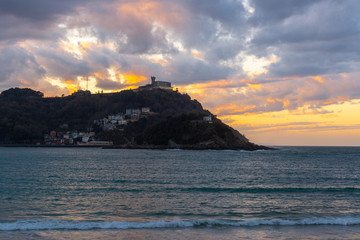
x=157 y=84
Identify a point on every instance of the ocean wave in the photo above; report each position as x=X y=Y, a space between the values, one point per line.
x=27 y=225
x=273 y=190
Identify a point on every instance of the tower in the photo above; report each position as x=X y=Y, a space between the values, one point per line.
x=153 y=80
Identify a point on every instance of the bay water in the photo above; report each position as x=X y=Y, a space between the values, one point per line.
x=94 y=193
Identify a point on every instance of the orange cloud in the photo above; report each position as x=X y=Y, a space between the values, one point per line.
x=233 y=109
x=328 y=102
x=342 y=98
x=255 y=86
x=69 y=84
x=134 y=79
x=98 y=74
x=318 y=79
x=212 y=84
x=196 y=54
x=286 y=103
x=23 y=81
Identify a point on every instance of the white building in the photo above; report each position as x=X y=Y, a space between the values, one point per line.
x=207 y=118
x=145 y=110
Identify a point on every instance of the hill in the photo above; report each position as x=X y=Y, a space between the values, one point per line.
x=149 y=118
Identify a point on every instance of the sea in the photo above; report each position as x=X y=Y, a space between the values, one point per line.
x=94 y=193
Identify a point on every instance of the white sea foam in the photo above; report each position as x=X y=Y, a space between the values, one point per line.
x=87 y=225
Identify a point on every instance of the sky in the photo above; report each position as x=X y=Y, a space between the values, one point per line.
x=282 y=72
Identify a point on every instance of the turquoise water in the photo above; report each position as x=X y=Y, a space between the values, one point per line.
x=75 y=193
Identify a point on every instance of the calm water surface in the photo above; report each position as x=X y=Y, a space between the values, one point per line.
x=75 y=193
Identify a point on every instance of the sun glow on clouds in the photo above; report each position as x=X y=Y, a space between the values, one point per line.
x=196 y=54
x=272 y=112
x=306 y=123
x=77 y=41
x=69 y=84
x=254 y=66
x=261 y=68
x=156 y=58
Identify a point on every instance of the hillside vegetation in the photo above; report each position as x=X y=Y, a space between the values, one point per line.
x=176 y=119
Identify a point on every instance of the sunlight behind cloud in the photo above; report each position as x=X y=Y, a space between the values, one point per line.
x=253 y=65
x=242 y=59
x=69 y=84
x=77 y=40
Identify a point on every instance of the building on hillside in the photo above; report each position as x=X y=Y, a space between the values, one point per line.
x=145 y=110
x=81 y=93
x=208 y=118
x=156 y=85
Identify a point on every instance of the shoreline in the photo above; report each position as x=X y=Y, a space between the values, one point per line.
x=49 y=146
x=148 y=147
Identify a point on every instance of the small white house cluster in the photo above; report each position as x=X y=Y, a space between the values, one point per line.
x=70 y=137
x=73 y=138
x=121 y=119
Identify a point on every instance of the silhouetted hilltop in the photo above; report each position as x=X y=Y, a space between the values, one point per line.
x=147 y=118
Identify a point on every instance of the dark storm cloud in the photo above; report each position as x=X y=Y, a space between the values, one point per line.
x=33 y=19
x=37 y=10
x=224 y=11
x=325 y=21
x=270 y=12
x=319 y=39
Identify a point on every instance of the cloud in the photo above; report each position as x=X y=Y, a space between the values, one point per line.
x=187 y=69
x=314 y=127
x=194 y=44
x=38 y=10
x=109 y=85
x=18 y=66
x=318 y=38
x=36 y=19
x=273 y=11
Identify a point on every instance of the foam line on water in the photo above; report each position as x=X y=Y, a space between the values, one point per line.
x=25 y=225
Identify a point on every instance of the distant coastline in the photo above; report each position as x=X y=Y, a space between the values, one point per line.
x=148 y=147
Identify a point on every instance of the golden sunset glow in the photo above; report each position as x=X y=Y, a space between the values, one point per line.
x=318 y=79
x=264 y=72
x=69 y=84
x=307 y=126
x=133 y=79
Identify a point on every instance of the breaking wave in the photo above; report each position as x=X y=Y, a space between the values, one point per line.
x=24 y=225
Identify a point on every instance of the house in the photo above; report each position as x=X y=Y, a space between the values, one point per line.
x=131 y=111
x=145 y=110
x=122 y=122
x=135 y=117
x=207 y=118
x=52 y=134
x=85 y=139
